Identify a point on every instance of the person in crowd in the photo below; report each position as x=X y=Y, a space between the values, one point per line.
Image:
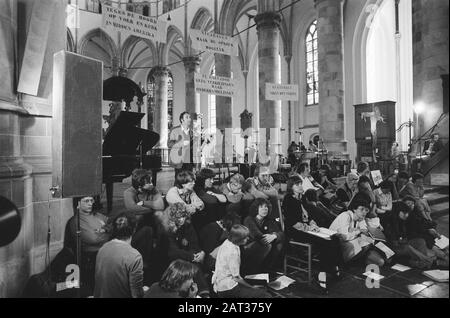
x=325 y=179
x=395 y=155
x=403 y=233
x=95 y=232
x=346 y=192
x=302 y=147
x=312 y=147
x=291 y=152
x=235 y=197
x=299 y=225
x=227 y=280
x=183 y=192
x=181 y=144
x=318 y=212
x=363 y=169
x=119 y=267
x=418 y=192
x=212 y=235
x=142 y=196
x=307 y=181
x=266 y=231
x=383 y=197
x=176 y=282
x=178 y=240
x=433 y=146
x=213 y=199
x=353 y=234
x=405 y=186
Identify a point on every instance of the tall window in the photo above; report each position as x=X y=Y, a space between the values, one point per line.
x=312 y=66
x=212 y=106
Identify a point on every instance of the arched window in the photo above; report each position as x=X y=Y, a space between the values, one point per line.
x=212 y=106
x=151 y=103
x=312 y=66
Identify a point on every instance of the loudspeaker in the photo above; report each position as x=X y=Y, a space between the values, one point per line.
x=77 y=125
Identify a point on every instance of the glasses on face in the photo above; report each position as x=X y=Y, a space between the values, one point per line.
x=88 y=200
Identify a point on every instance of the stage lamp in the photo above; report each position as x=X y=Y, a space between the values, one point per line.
x=419 y=108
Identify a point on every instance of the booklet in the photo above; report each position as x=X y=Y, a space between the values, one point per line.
x=437 y=275
x=281 y=283
x=386 y=250
x=257 y=279
x=442 y=242
x=401 y=268
x=324 y=233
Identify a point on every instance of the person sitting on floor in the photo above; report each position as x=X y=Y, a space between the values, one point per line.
x=345 y=193
x=183 y=192
x=354 y=236
x=142 y=197
x=307 y=181
x=235 y=197
x=383 y=197
x=402 y=232
x=404 y=185
x=418 y=193
x=324 y=178
x=318 y=212
x=119 y=267
x=297 y=225
x=95 y=232
x=363 y=169
x=263 y=188
x=227 y=281
x=213 y=199
x=176 y=282
x=180 y=241
x=365 y=192
x=214 y=234
x=264 y=230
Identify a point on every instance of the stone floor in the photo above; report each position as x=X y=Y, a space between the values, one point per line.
x=411 y=283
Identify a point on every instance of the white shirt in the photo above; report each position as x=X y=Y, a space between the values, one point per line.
x=228 y=263
x=307 y=184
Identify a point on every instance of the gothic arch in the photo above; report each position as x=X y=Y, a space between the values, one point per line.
x=130 y=45
x=203 y=20
x=70 y=44
x=111 y=46
x=173 y=36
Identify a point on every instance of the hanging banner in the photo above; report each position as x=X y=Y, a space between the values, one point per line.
x=134 y=24
x=212 y=42
x=281 y=92
x=214 y=85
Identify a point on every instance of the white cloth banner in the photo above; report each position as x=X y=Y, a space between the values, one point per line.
x=214 y=85
x=281 y=92
x=212 y=42
x=134 y=24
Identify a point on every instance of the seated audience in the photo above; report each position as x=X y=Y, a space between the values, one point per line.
x=142 y=197
x=383 y=197
x=354 y=236
x=297 y=225
x=263 y=188
x=433 y=146
x=345 y=193
x=178 y=240
x=363 y=169
x=227 y=281
x=183 y=192
x=94 y=233
x=318 y=212
x=419 y=193
x=176 y=282
x=119 y=267
x=266 y=231
x=404 y=185
x=325 y=179
x=213 y=199
x=403 y=232
x=307 y=181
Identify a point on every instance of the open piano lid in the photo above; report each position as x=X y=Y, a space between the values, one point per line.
x=123 y=138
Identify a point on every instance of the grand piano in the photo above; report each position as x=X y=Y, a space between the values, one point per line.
x=124 y=149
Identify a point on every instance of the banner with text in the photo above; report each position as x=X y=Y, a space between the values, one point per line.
x=281 y=92
x=212 y=42
x=134 y=24
x=214 y=85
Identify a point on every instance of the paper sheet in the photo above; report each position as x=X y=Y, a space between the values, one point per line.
x=389 y=253
x=258 y=277
x=437 y=275
x=324 y=233
x=401 y=268
x=442 y=242
x=281 y=283
x=373 y=275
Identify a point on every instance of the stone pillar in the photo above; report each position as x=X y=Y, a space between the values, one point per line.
x=269 y=72
x=331 y=74
x=192 y=66
x=430 y=59
x=161 y=119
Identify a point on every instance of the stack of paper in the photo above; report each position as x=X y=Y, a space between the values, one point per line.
x=386 y=250
x=257 y=279
x=442 y=242
x=281 y=283
x=437 y=275
x=324 y=233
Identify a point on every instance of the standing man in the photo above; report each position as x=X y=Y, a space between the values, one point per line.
x=181 y=145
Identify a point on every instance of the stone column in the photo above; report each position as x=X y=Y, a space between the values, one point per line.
x=269 y=72
x=161 y=119
x=192 y=66
x=430 y=59
x=331 y=74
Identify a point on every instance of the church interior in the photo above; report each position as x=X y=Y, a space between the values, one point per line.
x=254 y=148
